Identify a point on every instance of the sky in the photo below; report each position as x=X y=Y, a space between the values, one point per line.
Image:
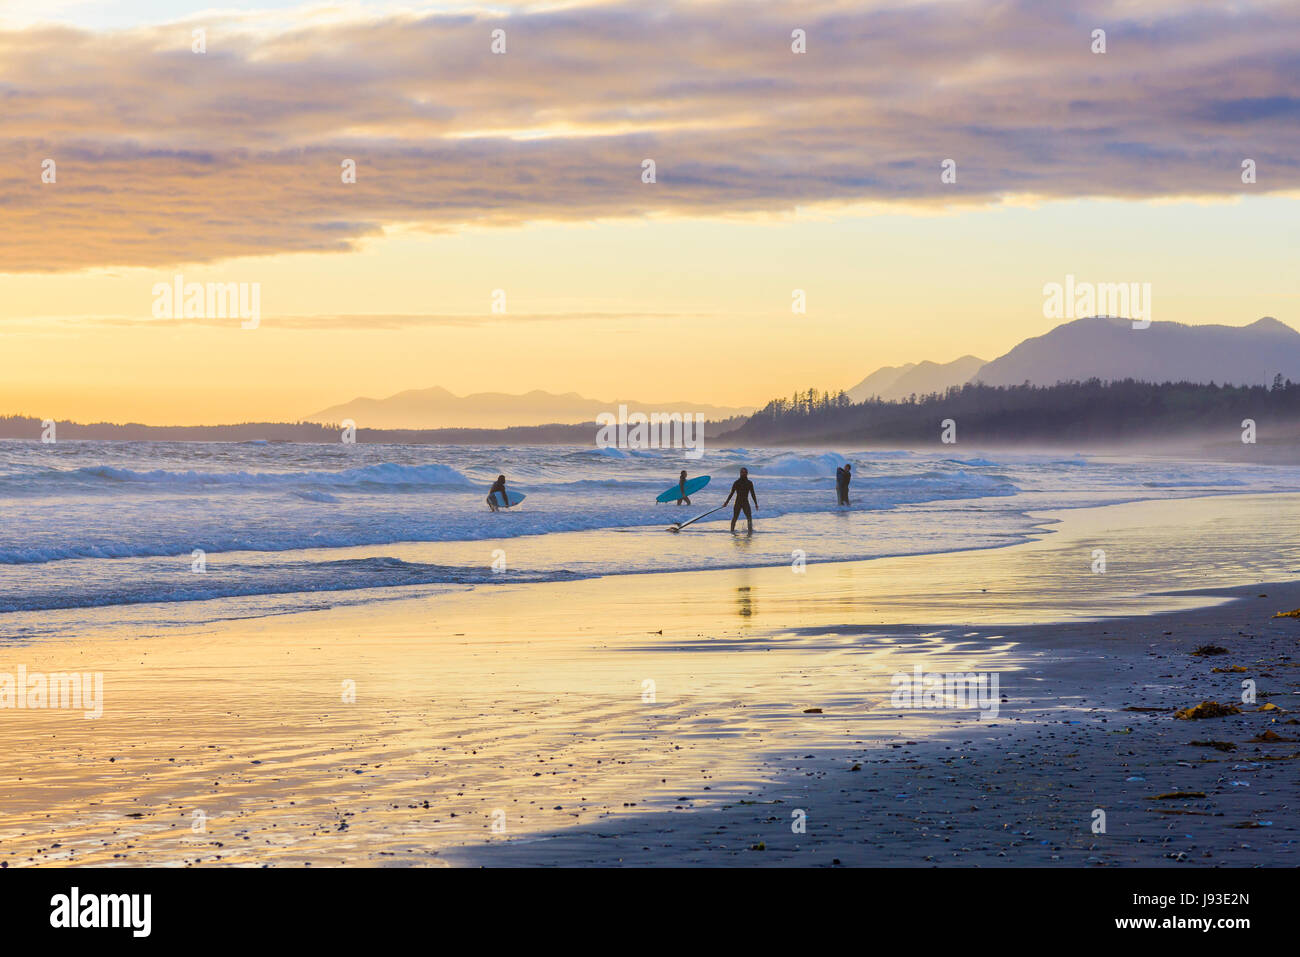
x=500 y=234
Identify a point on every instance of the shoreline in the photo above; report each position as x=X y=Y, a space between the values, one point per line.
x=567 y=550
x=531 y=700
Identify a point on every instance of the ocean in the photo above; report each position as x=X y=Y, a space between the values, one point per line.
x=152 y=535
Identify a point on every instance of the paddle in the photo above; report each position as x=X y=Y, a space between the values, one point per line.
x=678 y=526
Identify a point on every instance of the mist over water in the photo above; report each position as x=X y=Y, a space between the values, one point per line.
x=100 y=525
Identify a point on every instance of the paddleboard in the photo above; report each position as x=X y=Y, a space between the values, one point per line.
x=692 y=486
x=678 y=526
x=515 y=498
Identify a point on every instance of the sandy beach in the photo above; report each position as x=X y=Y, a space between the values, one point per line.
x=456 y=455
x=700 y=717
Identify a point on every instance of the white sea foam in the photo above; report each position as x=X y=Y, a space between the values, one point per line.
x=87 y=524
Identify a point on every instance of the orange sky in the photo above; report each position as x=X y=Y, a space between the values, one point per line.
x=522 y=173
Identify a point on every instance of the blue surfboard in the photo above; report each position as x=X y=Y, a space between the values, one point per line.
x=515 y=498
x=692 y=486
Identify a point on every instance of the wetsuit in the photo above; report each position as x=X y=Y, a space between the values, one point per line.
x=742 y=488
x=498 y=486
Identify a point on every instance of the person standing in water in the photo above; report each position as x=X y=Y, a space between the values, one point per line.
x=743 y=489
x=682 y=497
x=498 y=486
x=842 y=477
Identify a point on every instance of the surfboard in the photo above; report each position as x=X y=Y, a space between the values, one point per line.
x=692 y=486
x=515 y=498
x=678 y=526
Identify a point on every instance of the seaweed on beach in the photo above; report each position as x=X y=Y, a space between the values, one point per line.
x=1207 y=709
x=1217 y=745
x=1204 y=651
x=1293 y=613
x=1175 y=795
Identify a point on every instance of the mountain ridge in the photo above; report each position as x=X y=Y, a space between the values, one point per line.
x=1102 y=347
x=1110 y=349
x=893 y=383
x=436 y=407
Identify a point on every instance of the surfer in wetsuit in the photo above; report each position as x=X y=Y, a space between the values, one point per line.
x=842 y=477
x=742 y=488
x=682 y=497
x=498 y=486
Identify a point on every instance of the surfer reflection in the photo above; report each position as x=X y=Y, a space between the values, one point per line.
x=743 y=489
x=682 y=497
x=498 y=486
x=744 y=602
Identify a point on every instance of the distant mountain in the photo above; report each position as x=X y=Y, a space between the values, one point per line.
x=929 y=377
x=25 y=427
x=437 y=408
x=1111 y=349
x=879 y=382
x=919 y=378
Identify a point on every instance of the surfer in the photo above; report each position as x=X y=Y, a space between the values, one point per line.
x=682 y=497
x=742 y=488
x=498 y=486
x=842 y=476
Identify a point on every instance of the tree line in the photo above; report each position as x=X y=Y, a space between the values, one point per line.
x=1068 y=412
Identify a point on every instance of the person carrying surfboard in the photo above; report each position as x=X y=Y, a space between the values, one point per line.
x=842 y=477
x=743 y=489
x=498 y=486
x=682 y=490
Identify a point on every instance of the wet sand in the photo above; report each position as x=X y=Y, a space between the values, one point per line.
x=1025 y=789
x=669 y=719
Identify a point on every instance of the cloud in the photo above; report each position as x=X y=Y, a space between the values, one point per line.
x=355 y=321
x=167 y=157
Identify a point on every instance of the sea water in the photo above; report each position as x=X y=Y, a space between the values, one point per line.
x=176 y=533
